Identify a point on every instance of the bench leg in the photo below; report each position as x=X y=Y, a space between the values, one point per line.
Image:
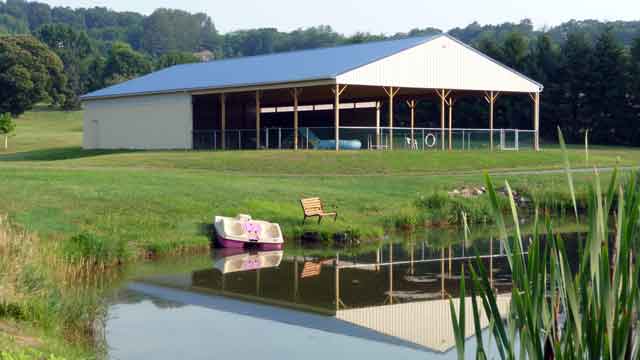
x=305 y=219
x=319 y=219
x=335 y=217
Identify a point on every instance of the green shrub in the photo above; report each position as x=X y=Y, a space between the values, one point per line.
x=354 y=233
x=441 y=207
x=434 y=201
x=406 y=218
x=87 y=246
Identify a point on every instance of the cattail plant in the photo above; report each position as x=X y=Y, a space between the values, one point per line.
x=588 y=311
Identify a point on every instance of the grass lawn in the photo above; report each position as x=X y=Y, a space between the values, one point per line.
x=160 y=200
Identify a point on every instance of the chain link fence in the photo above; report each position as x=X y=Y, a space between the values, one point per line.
x=364 y=138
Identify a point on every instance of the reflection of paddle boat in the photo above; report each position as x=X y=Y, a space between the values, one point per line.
x=233 y=260
x=241 y=230
x=420 y=278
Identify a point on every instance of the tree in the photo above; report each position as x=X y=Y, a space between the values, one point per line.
x=515 y=50
x=67 y=16
x=124 y=63
x=574 y=75
x=167 y=30
x=29 y=73
x=72 y=47
x=92 y=72
x=175 y=58
x=607 y=92
x=38 y=14
x=17 y=9
x=635 y=70
x=491 y=49
x=635 y=50
x=7 y=127
x=544 y=67
x=11 y=25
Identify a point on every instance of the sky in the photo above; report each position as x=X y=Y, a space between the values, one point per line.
x=378 y=16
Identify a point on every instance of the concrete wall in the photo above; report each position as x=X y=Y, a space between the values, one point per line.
x=140 y=122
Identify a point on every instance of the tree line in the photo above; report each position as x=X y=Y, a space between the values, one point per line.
x=590 y=69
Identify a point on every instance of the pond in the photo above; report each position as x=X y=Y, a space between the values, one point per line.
x=381 y=301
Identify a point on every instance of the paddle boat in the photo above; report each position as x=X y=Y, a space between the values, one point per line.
x=232 y=260
x=242 y=230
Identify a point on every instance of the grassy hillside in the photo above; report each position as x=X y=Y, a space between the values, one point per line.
x=162 y=200
x=103 y=207
x=53 y=139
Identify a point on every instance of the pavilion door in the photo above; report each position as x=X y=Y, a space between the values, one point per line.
x=95 y=133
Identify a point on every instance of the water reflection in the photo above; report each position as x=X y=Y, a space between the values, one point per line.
x=235 y=260
x=392 y=274
x=395 y=294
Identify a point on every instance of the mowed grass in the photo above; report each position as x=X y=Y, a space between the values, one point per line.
x=43 y=129
x=53 y=139
x=164 y=200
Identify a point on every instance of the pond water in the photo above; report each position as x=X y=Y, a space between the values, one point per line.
x=379 y=302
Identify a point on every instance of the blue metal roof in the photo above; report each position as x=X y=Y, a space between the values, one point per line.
x=304 y=65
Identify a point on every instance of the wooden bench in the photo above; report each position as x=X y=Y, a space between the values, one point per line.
x=313 y=207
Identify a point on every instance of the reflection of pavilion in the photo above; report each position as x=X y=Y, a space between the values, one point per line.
x=425 y=323
x=385 y=293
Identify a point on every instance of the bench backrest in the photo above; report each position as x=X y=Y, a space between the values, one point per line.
x=311 y=206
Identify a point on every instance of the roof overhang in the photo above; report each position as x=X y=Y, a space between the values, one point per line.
x=221 y=90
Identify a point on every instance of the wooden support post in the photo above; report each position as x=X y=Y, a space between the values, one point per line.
x=336 y=264
x=295 y=118
x=442 y=94
x=391 y=273
x=391 y=120
x=337 y=91
x=450 y=260
x=378 y=106
x=490 y=98
x=258 y=119
x=391 y=93
x=412 y=270
x=295 y=279
x=491 y=262
x=443 y=101
x=336 y=116
x=412 y=106
x=536 y=121
x=258 y=282
x=223 y=120
x=450 y=103
x=442 y=275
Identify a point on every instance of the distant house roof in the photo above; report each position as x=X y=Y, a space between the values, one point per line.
x=324 y=64
x=286 y=67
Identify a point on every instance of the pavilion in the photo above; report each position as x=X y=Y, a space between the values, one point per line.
x=330 y=98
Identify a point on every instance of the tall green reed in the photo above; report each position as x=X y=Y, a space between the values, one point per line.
x=41 y=287
x=588 y=311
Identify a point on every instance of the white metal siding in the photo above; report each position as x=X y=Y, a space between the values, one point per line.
x=442 y=63
x=141 y=122
x=425 y=323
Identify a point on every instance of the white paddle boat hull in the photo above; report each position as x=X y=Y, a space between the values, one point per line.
x=242 y=231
